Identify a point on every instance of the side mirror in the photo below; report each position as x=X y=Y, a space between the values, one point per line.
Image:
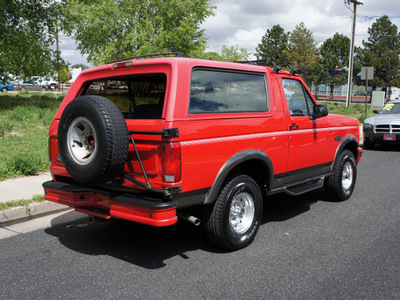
x=319 y=111
x=375 y=111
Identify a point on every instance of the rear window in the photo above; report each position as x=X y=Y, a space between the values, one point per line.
x=138 y=97
x=216 y=91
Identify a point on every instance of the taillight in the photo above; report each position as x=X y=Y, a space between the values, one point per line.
x=171 y=162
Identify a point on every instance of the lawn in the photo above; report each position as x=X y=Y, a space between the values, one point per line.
x=24 y=123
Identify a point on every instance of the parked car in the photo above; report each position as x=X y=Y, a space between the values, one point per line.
x=191 y=136
x=49 y=85
x=30 y=85
x=5 y=87
x=384 y=127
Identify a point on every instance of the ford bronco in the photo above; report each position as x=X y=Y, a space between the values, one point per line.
x=147 y=140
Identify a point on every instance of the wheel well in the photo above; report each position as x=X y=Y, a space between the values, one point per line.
x=352 y=146
x=256 y=169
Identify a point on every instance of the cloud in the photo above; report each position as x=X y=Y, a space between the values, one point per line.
x=244 y=23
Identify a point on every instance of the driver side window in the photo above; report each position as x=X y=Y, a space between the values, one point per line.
x=298 y=100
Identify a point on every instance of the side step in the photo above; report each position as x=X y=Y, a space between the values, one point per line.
x=304 y=187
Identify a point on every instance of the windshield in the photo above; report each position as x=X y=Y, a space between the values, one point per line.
x=390 y=108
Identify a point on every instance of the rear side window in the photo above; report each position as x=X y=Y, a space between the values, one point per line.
x=215 y=91
x=138 y=97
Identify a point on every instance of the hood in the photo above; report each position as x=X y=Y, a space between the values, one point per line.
x=384 y=119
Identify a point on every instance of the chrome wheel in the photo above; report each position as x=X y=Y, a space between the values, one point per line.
x=241 y=213
x=82 y=140
x=347 y=176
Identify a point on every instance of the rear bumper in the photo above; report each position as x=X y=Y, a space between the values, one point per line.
x=108 y=205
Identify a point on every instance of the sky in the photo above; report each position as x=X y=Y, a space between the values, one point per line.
x=244 y=22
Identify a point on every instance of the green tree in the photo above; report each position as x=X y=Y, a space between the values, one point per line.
x=111 y=29
x=334 y=53
x=382 y=51
x=302 y=50
x=234 y=53
x=28 y=31
x=274 y=44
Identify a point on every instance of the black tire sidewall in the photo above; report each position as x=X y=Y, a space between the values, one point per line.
x=99 y=169
x=243 y=184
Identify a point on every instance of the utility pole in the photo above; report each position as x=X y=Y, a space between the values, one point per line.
x=350 y=79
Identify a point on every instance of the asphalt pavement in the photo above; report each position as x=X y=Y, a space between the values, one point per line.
x=308 y=247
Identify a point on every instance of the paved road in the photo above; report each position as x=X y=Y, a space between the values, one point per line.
x=307 y=248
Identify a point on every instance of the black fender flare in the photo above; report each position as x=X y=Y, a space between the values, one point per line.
x=230 y=164
x=346 y=140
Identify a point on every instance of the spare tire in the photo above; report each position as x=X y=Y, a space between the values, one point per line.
x=93 y=139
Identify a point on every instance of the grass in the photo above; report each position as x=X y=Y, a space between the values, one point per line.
x=24 y=203
x=24 y=123
x=356 y=111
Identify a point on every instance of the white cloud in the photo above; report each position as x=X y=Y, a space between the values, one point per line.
x=243 y=22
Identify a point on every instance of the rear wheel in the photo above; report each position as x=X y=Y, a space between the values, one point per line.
x=234 y=219
x=341 y=184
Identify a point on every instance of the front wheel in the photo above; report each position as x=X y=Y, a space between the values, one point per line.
x=234 y=219
x=4 y=90
x=341 y=184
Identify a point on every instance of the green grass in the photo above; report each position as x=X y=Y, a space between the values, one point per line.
x=25 y=119
x=356 y=111
x=24 y=203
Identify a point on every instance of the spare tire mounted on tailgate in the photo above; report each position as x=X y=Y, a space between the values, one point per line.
x=93 y=139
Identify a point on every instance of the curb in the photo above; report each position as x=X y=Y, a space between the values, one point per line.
x=34 y=210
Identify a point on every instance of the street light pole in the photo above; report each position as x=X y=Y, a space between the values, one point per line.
x=350 y=79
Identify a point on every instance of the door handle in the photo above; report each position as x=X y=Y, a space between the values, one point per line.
x=291 y=127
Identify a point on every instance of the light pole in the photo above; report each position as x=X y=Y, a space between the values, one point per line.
x=350 y=79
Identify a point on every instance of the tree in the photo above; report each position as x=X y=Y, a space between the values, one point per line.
x=234 y=53
x=302 y=50
x=274 y=44
x=28 y=30
x=110 y=29
x=382 y=51
x=334 y=54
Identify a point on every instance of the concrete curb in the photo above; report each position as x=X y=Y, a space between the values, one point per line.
x=34 y=210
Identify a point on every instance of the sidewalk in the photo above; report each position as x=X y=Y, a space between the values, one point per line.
x=24 y=188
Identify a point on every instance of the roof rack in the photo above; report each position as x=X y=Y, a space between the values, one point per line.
x=176 y=54
x=262 y=62
x=293 y=71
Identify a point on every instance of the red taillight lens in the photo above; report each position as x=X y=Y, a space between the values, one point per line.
x=171 y=162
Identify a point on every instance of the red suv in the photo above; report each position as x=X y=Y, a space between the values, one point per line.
x=148 y=140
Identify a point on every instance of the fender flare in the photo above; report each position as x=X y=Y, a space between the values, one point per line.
x=346 y=140
x=230 y=164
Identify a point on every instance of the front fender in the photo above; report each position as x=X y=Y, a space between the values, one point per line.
x=349 y=142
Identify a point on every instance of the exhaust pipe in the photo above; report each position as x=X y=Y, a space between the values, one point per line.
x=191 y=219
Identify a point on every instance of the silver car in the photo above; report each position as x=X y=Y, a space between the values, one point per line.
x=384 y=127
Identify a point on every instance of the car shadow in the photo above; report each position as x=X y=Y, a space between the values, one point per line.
x=150 y=247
